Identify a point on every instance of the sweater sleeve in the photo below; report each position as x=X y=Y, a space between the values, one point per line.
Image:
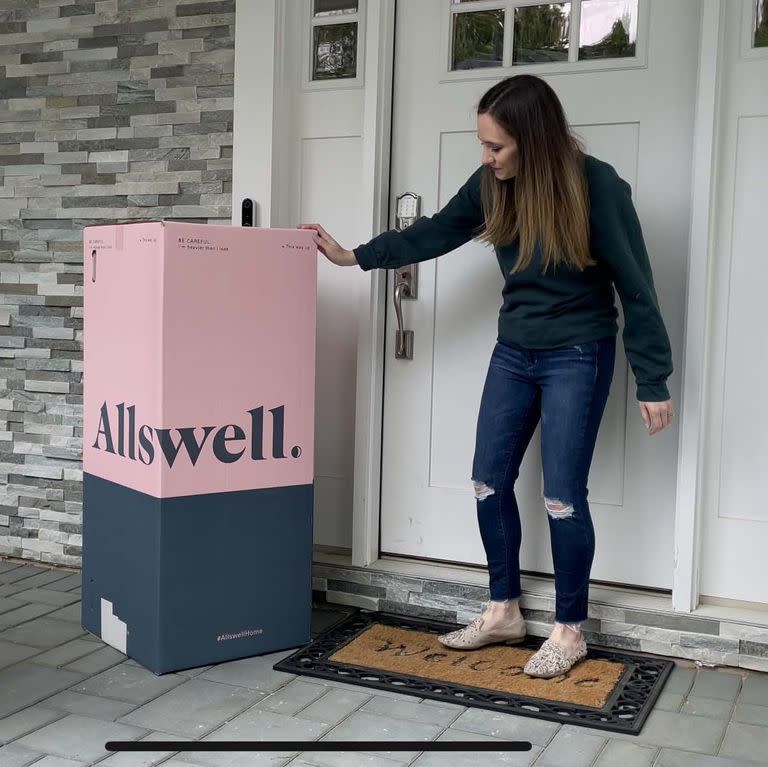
x=427 y=237
x=617 y=240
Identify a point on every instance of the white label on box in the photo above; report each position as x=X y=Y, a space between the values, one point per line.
x=113 y=630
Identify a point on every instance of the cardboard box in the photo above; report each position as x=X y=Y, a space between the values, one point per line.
x=198 y=443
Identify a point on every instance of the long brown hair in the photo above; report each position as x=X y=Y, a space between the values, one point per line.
x=547 y=201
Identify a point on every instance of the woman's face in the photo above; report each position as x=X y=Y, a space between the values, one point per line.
x=499 y=148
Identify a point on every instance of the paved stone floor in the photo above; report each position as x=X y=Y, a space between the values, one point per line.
x=63 y=694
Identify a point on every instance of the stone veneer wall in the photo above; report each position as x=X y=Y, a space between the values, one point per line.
x=111 y=110
x=698 y=638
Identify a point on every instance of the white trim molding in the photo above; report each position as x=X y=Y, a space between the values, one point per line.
x=688 y=506
x=377 y=120
x=254 y=105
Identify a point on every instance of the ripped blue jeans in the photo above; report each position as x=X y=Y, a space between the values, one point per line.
x=566 y=388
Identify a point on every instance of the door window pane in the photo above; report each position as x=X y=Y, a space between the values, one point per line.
x=541 y=33
x=478 y=40
x=761 y=24
x=608 y=29
x=334 y=49
x=335 y=7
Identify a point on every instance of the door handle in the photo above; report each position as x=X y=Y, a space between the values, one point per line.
x=403 y=338
x=408 y=207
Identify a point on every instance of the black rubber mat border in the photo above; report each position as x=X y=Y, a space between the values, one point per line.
x=625 y=711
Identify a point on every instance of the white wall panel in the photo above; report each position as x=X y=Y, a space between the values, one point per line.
x=330 y=194
x=744 y=457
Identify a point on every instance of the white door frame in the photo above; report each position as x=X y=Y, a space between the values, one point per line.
x=377 y=122
x=370 y=351
x=695 y=362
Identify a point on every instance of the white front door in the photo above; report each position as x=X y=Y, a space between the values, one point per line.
x=735 y=518
x=636 y=114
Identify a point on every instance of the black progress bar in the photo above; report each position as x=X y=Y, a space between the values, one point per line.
x=315 y=745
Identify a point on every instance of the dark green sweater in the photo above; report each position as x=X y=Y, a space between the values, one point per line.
x=565 y=306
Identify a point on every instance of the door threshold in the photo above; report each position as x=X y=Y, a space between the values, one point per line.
x=609 y=596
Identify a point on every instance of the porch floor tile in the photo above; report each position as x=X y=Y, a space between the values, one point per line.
x=63 y=693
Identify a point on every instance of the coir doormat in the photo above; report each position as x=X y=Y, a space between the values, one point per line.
x=609 y=690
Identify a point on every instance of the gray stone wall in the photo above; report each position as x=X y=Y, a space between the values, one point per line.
x=112 y=110
x=705 y=640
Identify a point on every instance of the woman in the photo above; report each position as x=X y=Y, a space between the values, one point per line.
x=565 y=233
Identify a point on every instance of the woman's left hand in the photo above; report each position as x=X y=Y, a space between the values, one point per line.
x=656 y=415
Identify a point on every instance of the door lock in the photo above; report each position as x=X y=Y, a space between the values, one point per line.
x=408 y=209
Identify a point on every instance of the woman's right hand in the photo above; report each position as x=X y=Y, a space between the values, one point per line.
x=329 y=247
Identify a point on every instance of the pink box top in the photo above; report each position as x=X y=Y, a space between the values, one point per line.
x=199 y=357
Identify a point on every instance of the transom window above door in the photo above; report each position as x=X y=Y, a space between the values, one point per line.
x=562 y=36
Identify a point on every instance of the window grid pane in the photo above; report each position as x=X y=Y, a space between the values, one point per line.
x=334 y=51
x=334 y=7
x=541 y=33
x=478 y=40
x=608 y=29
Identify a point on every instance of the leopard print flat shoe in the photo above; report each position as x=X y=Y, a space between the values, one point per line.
x=474 y=635
x=552 y=659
